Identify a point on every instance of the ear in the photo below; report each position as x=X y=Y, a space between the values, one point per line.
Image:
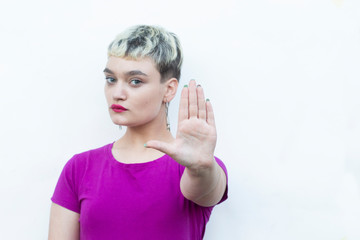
x=171 y=86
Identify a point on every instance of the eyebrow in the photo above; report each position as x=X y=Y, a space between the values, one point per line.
x=130 y=73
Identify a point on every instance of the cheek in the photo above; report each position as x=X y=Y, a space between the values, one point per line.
x=152 y=97
x=107 y=95
x=152 y=103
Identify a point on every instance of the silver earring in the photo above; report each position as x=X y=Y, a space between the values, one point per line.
x=120 y=127
x=167 y=116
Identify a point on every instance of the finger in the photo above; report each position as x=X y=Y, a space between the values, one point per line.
x=184 y=104
x=161 y=146
x=210 y=119
x=201 y=103
x=193 y=107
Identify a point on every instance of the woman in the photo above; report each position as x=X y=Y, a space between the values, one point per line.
x=147 y=184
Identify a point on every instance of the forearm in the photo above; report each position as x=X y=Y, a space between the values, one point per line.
x=204 y=186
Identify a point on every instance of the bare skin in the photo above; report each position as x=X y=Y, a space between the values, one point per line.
x=64 y=224
x=203 y=181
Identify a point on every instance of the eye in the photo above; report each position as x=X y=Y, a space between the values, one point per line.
x=135 y=82
x=110 y=80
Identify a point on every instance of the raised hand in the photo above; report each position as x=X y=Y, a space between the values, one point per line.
x=203 y=181
x=195 y=140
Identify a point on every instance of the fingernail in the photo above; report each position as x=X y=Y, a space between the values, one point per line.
x=145 y=145
x=185 y=85
x=208 y=100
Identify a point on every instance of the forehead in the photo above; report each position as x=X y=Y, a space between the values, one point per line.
x=122 y=65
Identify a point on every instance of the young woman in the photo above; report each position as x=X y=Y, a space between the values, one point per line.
x=148 y=184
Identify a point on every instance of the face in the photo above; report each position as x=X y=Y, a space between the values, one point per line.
x=133 y=91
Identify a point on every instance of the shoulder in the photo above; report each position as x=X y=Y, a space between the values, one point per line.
x=223 y=167
x=83 y=159
x=100 y=151
x=221 y=164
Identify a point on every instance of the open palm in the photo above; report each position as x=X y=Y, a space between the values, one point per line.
x=195 y=140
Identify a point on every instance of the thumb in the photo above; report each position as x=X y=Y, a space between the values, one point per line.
x=161 y=146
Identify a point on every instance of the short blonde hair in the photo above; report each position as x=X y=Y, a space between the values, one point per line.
x=142 y=41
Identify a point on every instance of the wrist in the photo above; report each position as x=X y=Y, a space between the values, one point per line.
x=202 y=168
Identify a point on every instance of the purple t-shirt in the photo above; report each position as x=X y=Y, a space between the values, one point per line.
x=129 y=201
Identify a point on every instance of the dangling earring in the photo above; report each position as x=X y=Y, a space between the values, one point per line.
x=167 y=116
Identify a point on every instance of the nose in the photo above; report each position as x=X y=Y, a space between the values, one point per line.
x=119 y=91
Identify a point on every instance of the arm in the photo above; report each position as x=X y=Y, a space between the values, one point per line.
x=64 y=224
x=204 y=187
x=203 y=180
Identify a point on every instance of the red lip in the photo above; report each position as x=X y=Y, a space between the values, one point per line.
x=118 y=108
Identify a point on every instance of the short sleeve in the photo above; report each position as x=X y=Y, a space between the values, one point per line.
x=208 y=210
x=66 y=190
x=222 y=165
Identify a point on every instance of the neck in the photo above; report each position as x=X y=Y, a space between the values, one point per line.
x=139 y=136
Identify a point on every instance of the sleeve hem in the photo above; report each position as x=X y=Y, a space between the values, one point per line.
x=222 y=165
x=66 y=205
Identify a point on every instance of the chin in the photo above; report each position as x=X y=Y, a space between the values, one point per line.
x=117 y=121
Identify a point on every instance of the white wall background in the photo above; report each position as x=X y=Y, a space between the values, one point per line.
x=283 y=76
